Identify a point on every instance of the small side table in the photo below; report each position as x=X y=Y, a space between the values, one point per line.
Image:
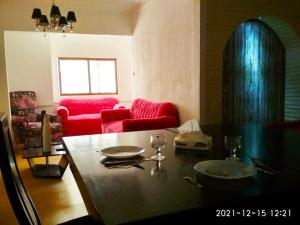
x=46 y=169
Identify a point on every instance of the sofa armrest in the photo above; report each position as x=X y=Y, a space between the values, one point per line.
x=20 y=128
x=119 y=106
x=52 y=117
x=23 y=120
x=108 y=115
x=149 y=124
x=19 y=121
x=63 y=112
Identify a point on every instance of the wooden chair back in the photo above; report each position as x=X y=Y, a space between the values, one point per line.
x=21 y=202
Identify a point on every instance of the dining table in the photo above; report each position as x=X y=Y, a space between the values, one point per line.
x=155 y=192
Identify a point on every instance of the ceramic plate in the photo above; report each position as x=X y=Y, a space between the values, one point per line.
x=122 y=151
x=225 y=169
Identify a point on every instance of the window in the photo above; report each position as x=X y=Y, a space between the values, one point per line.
x=81 y=76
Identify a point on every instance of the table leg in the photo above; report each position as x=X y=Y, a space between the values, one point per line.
x=31 y=163
x=47 y=165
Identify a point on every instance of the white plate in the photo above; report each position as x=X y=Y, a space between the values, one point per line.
x=225 y=169
x=122 y=151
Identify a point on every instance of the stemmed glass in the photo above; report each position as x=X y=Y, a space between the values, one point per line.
x=158 y=172
x=233 y=143
x=158 y=141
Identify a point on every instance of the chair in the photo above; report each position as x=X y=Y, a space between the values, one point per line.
x=26 y=122
x=20 y=200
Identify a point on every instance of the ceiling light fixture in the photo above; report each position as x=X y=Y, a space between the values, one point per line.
x=57 y=22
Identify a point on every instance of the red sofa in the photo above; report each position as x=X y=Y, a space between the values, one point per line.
x=82 y=116
x=143 y=115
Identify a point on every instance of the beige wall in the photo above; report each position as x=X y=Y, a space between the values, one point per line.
x=28 y=64
x=222 y=18
x=95 y=46
x=15 y=15
x=166 y=49
x=31 y=61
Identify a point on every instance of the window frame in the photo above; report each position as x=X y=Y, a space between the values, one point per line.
x=89 y=76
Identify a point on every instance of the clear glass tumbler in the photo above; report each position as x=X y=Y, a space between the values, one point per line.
x=233 y=143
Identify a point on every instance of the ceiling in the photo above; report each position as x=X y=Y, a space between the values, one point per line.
x=104 y=6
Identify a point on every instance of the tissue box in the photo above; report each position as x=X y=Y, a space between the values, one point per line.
x=193 y=140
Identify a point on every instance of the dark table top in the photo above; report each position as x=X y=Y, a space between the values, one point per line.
x=132 y=195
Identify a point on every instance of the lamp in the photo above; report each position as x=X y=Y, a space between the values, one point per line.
x=57 y=22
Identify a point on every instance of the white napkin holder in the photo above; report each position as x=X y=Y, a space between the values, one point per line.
x=191 y=137
x=190 y=126
x=193 y=140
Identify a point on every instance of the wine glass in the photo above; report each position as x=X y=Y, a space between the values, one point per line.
x=233 y=143
x=158 y=172
x=158 y=141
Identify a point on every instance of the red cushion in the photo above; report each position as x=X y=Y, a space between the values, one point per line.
x=86 y=106
x=145 y=109
x=113 y=127
x=109 y=115
x=83 y=124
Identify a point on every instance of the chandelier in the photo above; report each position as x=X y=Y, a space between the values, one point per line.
x=57 y=22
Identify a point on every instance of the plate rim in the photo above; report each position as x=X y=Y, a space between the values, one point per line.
x=225 y=177
x=141 y=151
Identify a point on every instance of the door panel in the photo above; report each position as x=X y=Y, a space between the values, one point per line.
x=253 y=75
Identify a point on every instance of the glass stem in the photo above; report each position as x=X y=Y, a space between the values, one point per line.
x=159 y=151
x=233 y=152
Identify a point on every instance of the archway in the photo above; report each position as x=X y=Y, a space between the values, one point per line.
x=253 y=75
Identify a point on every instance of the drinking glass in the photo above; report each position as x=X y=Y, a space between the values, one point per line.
x=158 y=172
x=233 y=143
x=158 y=141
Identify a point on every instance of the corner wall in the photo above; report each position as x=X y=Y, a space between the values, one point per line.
x=166 y=50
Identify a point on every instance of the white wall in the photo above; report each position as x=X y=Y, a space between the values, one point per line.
x=28 y=64
x=95 y=46
x=31 y=61
x=166 y=46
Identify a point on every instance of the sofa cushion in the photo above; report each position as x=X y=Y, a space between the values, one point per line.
x=87 y=106
x=82 y=124
x=144 y=109
x=112 y=127
x=85 y=117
